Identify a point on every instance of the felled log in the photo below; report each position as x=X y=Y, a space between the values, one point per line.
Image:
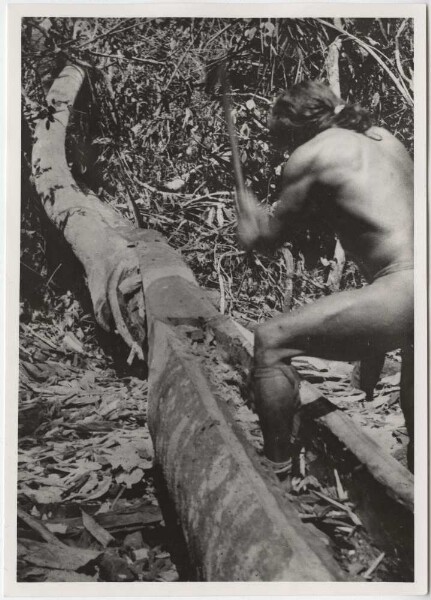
x=97 y=235
x=235 y=522
x=237 y=525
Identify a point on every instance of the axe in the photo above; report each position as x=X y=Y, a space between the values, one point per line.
x=218 y=73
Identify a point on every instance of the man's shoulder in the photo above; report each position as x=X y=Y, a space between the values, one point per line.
x=334 y=149
x=337 y=148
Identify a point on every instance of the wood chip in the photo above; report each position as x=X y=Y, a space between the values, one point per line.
x=141 y=553
x=342 y=495
x=302 y=462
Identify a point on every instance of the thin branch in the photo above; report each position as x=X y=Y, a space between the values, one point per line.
x=398 y=56
x=115 y=29
x=216 y=35
x=145 y=61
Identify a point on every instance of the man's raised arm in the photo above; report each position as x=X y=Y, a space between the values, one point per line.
x=262 y=230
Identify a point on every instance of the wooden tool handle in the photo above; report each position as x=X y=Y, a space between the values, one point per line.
x=236 y=161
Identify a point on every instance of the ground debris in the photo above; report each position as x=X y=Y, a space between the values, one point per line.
x=382 y=418
x=85 y=464
x=55 y=556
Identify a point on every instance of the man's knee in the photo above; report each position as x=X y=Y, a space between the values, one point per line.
x=263 y=345
x=276 y=342
x=275 y=390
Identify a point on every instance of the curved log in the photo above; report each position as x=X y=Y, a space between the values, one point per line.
x=98 y=236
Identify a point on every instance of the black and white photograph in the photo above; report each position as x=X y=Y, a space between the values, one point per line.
x=218 y=264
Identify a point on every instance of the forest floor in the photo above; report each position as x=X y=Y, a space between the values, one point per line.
x=88 y=504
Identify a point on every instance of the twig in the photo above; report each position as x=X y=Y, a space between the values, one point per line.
x=133 y=208
x=115 y=29
x=374 y=566
x=252 y=95
x=382 y=29
x=118 y=496
x=145 y=61
x=43 y=339
x=222 y=293
x=356 y=520
x=216 y=35
x=58 y=267
x=39 y=528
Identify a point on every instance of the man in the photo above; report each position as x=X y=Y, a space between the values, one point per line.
x=360 y=178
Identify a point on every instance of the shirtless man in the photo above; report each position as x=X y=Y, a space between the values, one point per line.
x=360 y=177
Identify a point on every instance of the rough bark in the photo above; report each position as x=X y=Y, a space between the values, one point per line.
x=236 y=523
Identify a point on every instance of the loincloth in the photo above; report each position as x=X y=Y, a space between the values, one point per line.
x=396 y=267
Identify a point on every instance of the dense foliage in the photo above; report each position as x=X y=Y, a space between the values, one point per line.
x=149 y=128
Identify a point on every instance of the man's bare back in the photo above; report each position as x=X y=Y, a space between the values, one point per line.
x=360 y=179
x=362 y=184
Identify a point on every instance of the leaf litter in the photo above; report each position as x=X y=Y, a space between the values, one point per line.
x=85 y=465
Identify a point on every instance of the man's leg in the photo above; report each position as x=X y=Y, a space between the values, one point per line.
x=366 y=374
x=276 y=393
x=346 y=326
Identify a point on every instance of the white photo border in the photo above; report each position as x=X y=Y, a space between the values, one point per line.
x=13 y=170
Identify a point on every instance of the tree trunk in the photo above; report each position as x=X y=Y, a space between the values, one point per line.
x=98 y=236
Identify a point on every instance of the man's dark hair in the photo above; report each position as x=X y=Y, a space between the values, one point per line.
x=310 y=107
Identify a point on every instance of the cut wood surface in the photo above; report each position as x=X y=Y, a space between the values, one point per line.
x=237 y=526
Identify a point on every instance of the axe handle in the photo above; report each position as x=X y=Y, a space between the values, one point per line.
x=236 y=161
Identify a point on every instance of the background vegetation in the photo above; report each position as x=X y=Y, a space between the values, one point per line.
x=148 y=132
